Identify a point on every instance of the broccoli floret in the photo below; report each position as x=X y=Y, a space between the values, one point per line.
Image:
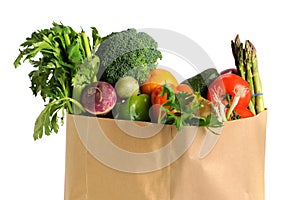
x=127 y=53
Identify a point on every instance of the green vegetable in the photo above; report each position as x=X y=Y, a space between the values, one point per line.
x=246 y=63
x=201 y=81
x=85 y=76
x=243 y=65
x=126 y=87
x=134 y=108
x=238 y=54
x=56 y=55
x=127 y=53
x=249 y=76
x=182 y=109
x=259 y=99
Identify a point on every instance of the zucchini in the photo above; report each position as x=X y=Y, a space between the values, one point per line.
x=201 y=81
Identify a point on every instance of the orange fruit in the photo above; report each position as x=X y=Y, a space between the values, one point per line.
x=157 y=77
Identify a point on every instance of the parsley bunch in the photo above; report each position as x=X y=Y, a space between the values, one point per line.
x=182 y=109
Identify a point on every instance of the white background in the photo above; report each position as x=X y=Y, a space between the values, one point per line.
x=35 y=170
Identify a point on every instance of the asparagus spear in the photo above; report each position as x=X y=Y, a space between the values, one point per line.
x=238 y=54
x=256 y=80
x=240 y=61
x=249 y=75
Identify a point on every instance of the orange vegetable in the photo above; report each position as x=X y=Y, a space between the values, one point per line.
x=157 y=77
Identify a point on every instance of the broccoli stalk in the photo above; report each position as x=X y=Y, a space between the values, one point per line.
x=127 y=53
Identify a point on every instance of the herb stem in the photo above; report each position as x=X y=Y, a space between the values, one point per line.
x=67 y=101
x=86 y=45
x=233 y=105
x=67 y=39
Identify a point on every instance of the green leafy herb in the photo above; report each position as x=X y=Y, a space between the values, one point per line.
x=182 y=109
x=56 y=55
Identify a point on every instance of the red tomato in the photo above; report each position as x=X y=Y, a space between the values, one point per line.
x=156 y=109
x=230 y=84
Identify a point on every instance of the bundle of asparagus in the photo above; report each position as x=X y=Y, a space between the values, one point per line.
x=246 y=64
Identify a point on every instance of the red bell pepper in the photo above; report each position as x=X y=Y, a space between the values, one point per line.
x=158 y=98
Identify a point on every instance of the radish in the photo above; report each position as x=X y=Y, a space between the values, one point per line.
x=230 y=71
x=99 y=98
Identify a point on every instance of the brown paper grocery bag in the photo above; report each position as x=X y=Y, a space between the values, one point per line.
x=110 y=159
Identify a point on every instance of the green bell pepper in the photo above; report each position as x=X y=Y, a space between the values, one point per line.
x=134 y=108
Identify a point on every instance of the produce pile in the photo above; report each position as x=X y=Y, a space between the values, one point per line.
x=117 y=76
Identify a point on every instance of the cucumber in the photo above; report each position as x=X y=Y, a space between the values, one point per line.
x=201 y=81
